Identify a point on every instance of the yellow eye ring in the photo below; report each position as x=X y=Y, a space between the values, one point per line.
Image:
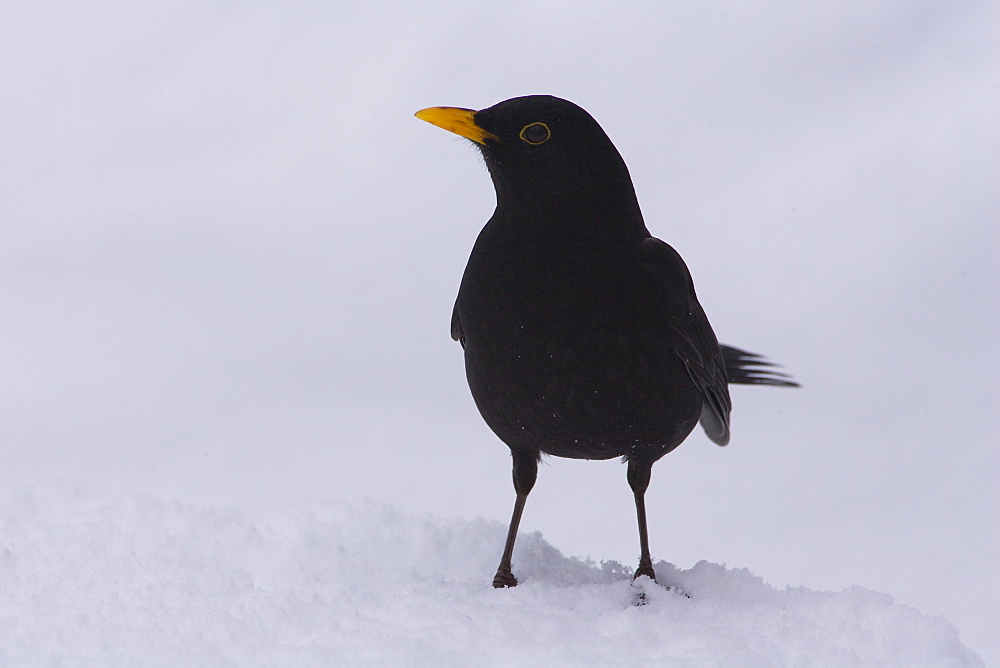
x=535 y=133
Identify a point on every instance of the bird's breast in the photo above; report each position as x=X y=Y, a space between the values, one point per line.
x=566 y=358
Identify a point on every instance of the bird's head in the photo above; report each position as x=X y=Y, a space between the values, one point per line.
x=543 y=151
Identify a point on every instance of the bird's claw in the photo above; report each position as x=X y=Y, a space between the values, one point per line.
x=645 y=569
x=504 y=578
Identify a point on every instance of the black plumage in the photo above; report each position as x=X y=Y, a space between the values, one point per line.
x=582 y=333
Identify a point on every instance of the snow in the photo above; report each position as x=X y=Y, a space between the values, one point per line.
x=140 y=580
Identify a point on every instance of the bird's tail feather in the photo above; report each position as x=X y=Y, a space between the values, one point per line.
x=745 y=368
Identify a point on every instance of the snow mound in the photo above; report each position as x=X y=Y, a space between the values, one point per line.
x=142 y=581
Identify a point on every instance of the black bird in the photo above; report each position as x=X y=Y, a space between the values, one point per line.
x=583 y=336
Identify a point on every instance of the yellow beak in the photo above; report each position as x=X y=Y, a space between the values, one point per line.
x=459 y=121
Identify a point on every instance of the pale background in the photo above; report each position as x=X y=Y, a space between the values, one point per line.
x=228 y=255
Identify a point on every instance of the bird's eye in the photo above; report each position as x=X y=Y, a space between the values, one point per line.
x=535 y=133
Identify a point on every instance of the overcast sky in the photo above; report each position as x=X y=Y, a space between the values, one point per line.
x=229 y=255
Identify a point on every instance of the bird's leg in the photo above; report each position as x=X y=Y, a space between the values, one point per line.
x=525 y=472
x=638 y=479
x=504 y=576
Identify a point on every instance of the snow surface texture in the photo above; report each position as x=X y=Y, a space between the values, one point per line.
x=141 y=581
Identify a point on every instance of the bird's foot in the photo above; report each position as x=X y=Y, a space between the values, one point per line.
x=504 y=578
x=639 y=588
x=643 y=588
x=645 y=569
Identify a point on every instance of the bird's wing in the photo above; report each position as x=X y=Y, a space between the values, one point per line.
x=691 y=337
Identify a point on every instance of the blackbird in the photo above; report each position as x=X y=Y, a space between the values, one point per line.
x=582 y=333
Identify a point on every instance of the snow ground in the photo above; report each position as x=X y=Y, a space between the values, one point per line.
x=145 y=581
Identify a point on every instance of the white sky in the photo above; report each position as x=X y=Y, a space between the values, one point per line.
x=229 y=254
